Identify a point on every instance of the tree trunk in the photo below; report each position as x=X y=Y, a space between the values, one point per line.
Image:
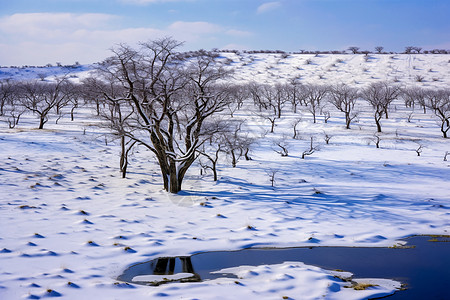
x=233 y=159
x=72 y=112
x=377 y=121
x=347 y=120
x=247 y=157
x=41 y=122
x=273 y=125
x=444 y=132
x=123 y=159
x=214 y=169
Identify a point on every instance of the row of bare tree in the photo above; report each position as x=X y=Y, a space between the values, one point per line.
x=181 y=107
x=271 y=100
x=38 y=97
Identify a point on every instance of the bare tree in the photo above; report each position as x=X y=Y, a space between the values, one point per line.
x=92 y=90
x=230 y=141
x=379 y=49
x=354 y=49
x=282 y=147
x=213 y=159
x=311 y=148
x=419 y=149
x=172 y=99
x=439 y=102
x=274 y=97
x=380 y=95
x=272 y=174
x=327 y=137
x=414 y=95
x=294 y=127
x=344 y=98
x=376 y=139
x=236 y=143
x=269 y=116
x=112 y=107
x=412 y=49
x=41 y=97
x=6 y=94
x=238 y=94
x=315 y=96
x=254 y=90
x=295 y=93
x=409 y=49
x=11 y=108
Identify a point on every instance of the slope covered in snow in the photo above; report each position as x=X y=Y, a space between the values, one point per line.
x=70 y=224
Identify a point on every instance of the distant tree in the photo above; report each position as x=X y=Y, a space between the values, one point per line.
x=212 y=159
x=315 y=97
x=295 y=93
x=354 y=49
x=415 y=95
x=380 y=95
x=344 y=98
x=275 y=97
x=409 y=49
x=231 y=141
x=270 y=101
x=379 y=49
x=6 y=94
x=238 y=94
x=235 y=143
x=10 y=107
x=412 y=49
x=42 y=97
x=254 y=90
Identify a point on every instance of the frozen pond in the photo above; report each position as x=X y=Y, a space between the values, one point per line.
x=424 y=267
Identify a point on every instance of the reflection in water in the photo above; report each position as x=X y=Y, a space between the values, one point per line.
x=424 y=268
x=161 y=270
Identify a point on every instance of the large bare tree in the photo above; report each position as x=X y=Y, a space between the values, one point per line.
x=172 y=98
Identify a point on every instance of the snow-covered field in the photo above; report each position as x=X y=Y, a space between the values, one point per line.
x=70 y=224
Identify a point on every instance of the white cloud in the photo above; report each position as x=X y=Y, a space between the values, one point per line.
x=194 y=27
x=238 y=33
x=26 y=23
x=269 y=6
x=38 y=39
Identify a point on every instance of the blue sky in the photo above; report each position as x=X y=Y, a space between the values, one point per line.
x=38 y=32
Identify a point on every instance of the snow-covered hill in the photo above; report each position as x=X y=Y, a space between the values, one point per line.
x=427 y=70
x=70 y=224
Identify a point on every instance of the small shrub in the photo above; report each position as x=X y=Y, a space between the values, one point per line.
x=419 y=78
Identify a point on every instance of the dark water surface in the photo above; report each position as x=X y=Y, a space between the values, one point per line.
x=424 y=269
